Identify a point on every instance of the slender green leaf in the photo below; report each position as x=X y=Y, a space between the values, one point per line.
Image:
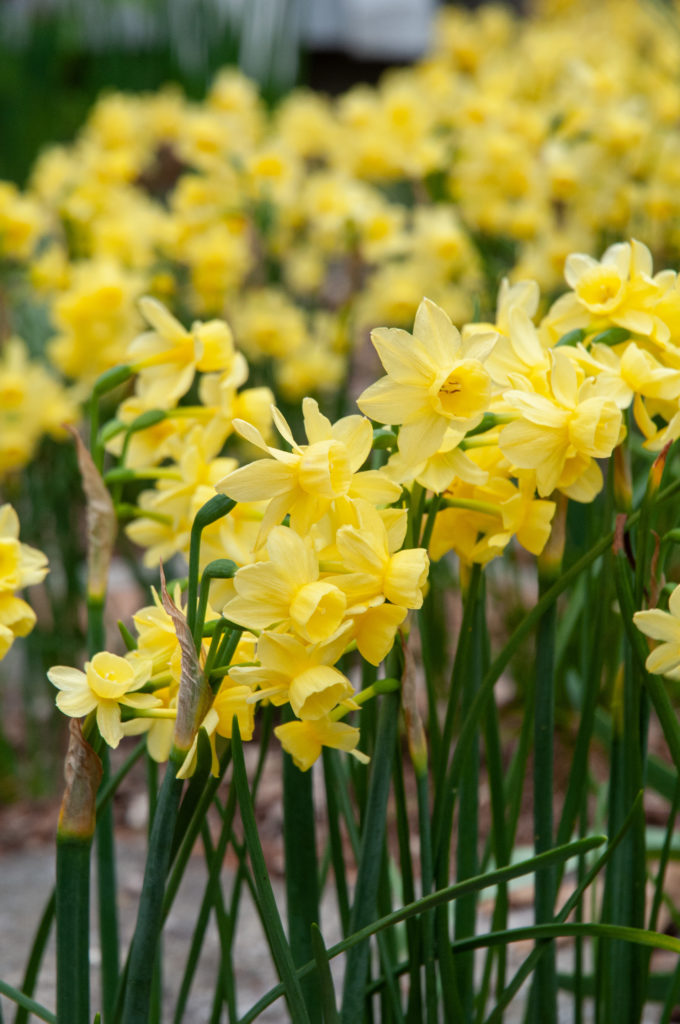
x=302 y=872
x=572 y=902
x=451 y=892
x=328 y=1007
x=544 y=989
x=142 y=957
x=28 y=1004
x=266 y=901
x=73 y=930
x=364 y=906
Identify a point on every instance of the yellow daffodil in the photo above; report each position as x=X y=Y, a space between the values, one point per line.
x=664 y=626
x=436 y=381
x=619 y=289
x=304 y=740
x=520 y=351
x=95 y=319
x=20 y=566
x=560 y=434
x=376 y=573
x=179 y=493
x=490 y=515
x=107 y=684
x=305 y=481
x=287 y=590
x=373 y=570
x=168 y=356
x=302 y=674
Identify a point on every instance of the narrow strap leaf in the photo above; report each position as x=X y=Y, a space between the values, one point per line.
x=142 y=956
x=370 y=857
x=267 y=903
x=328 y=1007
x=451 y=892
x=28 y=1004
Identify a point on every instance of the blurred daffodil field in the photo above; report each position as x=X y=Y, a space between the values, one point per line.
x=342 y=435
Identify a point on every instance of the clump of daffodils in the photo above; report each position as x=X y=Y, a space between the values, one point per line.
x=202 y=206
x=20 y=566
x=464 y=444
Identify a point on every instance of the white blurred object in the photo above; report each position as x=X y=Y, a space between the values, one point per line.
x=273 y=30
x=382 y=29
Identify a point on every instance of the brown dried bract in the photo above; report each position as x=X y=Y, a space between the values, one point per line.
x=83 y=773
x=193 y=699
x=102 y=525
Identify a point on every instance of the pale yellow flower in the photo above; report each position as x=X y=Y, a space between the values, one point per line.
x=376 y=572
x=305 y=481
x=107 y=683
x=286 y=590
x=664 y=626
x=168 y=356
x=499 y=510
x=304 y=740
x=559 y=435
x=436 y=381
x=184 y=487
x=302 y=674
x=381 y=583
x=20 y=566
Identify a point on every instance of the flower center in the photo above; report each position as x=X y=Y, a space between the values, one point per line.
x=109 y=676
x=465 y=392
x=600 y=289
x=317 y=610
x=325 y=470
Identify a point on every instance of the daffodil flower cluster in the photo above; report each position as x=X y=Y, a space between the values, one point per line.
x=178 y=445
x=20 y=566
x=304 y=227
x=554 y=394
x=483 y=428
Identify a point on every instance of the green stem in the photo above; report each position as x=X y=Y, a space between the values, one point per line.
x=266 y=901
x=364 y=906
x=467 y=839
x=35 y=959
x=327 y=1004
x=413 y=932
x=478 y=705
x=570 y=905
x=544 y=992
x=499 y=836
x=106 y=895
x=458 y=677
x=335 y=840
x=427 y=876
x=104 y=844
x=302 y=872
x=142 y=958
x=73 y=929
x=213 y=510
x=555 y=856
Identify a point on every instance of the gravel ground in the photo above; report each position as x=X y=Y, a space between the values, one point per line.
x=26 y=878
